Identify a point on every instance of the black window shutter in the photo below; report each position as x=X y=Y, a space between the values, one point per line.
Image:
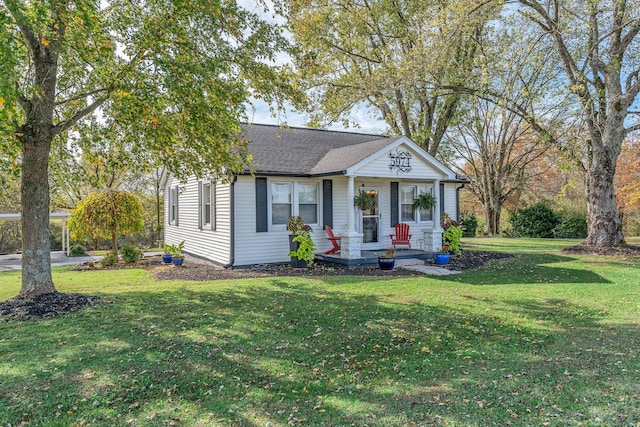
x=327 y=202
x=395 y=199
x=261 y=205
x=441 y=198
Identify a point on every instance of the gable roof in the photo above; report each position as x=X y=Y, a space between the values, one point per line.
x=302 y=151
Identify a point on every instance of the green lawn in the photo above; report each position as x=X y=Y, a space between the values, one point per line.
x=539 y=339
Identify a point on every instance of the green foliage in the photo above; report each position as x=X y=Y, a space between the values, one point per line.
x=364 y=200
x=424 y=202
x=451 y=238
x=538 y=220
x=109 y=260
x=295 y=224
x=469 y=224
x=77 y=250
x=130 y=253
x=394 y=56
x=306 y=247
x=106 y=214
x=572 y=225
x=175 y=250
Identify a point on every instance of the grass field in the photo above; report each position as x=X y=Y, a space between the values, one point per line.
x=542 y=338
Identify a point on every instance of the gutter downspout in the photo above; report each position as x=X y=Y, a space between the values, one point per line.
x=232 y=223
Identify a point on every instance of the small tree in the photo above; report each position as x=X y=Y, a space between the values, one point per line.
x=107 y=214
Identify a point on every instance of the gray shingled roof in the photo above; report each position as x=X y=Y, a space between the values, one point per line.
x=301 y=151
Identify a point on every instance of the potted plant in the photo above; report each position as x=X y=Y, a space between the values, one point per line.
x=387 y=260
x=364 y=201
x=301 y=245
x=442 y=257
x=166 y=256
x=424 y=202
x=177 y=257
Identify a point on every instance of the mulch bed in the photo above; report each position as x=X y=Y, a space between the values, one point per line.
x=200 y=272
x=58 y=303
x=623 y=250
x=47 y=305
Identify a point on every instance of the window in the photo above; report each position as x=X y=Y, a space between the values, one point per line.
x=281 y=202
x=173 y=205
x=425 y=215
x=407 y=195
x=208 y=208
x=294 y=198
x=308 y=202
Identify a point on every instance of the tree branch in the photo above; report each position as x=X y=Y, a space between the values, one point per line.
x=631 y=129
x=81 y=96
x=16 y=11
x=63 y=126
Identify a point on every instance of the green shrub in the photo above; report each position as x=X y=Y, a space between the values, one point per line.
x=306 y=247
x=573 y=225
x=109 y=260
x=77 y=250
x=130 y=253
x=538 y=220
x=469 y=224
x=451 y=238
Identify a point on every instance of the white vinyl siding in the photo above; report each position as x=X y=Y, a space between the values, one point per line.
x=214 y=245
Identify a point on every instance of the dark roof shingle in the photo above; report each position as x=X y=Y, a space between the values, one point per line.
x=301 y=151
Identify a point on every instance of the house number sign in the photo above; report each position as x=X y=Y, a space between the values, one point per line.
x=400 y=161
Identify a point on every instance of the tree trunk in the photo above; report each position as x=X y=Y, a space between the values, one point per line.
x=114 y=244
x=36 y=256
x=604 y=224
x=492 y=219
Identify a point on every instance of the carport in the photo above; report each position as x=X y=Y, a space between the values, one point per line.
x=63 y=216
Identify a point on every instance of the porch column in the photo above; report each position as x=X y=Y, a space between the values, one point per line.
x=351 y=217
x=68 y=239
x=64 y=236
x=436 y=233
x=351 y=241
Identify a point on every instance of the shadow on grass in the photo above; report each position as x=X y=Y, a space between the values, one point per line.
x=528 y=269
x=307 y=354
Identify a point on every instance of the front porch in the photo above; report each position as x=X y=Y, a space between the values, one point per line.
x=371 y=258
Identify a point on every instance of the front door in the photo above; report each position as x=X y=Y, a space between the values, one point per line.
x=371 y=220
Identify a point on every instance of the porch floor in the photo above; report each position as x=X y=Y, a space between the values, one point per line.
x=371 y=257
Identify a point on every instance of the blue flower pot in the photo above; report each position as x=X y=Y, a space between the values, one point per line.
x=441 y=259
x=386 y=263
x=166 y=258
x=178 y=261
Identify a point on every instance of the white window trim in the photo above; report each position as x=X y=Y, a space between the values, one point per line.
x=427 y=189
x=415 y=192
x=295 y=204
x=173 y=201
x=418 y=187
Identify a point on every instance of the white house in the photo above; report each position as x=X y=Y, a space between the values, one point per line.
x=314 y=174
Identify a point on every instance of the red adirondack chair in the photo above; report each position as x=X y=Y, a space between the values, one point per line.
x=402 y=236
x=335 y=241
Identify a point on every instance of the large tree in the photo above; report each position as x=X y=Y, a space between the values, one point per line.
x=498 y=148
x=596 y=42
x=174 y=74
x=398 y=57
